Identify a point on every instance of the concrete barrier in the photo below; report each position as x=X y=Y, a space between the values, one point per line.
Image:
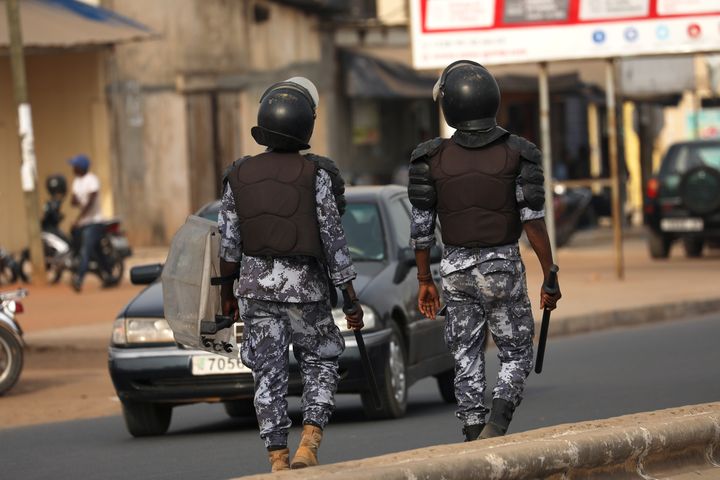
x=675 y=443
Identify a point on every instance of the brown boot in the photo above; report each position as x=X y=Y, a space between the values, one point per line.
x=279 y=460
x=306 y=455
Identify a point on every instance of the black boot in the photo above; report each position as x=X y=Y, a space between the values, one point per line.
x=500 y=416
x=472 y=432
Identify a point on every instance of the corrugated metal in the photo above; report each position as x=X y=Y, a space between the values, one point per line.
x=69 y=23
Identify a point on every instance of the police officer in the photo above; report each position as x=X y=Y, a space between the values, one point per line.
x=280 y=228
x=486 y=187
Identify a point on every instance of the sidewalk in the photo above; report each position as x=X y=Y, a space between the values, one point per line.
x=593 y=298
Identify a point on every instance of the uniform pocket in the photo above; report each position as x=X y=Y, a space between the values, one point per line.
x=247 y=348
x=330 y=342
x=523 y=323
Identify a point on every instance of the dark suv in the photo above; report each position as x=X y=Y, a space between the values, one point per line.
x=683 y=200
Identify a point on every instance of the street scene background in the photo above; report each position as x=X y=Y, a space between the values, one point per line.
x=161 y=96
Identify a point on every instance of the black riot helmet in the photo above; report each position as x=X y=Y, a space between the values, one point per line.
x=56 y=184
x=469 y=96
x=286 y=116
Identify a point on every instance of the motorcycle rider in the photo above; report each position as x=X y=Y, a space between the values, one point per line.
x=87 y=229
x=280 y=229
x=486 y=187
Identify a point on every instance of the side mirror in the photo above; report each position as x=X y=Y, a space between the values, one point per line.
x=145 y=274
x=406 y=261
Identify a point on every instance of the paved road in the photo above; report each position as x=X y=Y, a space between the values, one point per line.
x=586 y=377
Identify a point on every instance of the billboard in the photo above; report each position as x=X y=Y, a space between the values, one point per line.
x=496 y=32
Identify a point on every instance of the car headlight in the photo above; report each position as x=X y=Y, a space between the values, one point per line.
x=133 y=331
x=369 y=318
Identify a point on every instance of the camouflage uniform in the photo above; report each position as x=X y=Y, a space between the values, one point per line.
x=483 y=285
x=283 y=300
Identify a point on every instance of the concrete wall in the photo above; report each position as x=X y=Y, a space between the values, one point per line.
x=188 y=99
x=69 y=117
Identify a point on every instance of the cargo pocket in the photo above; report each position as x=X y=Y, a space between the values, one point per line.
x=247 y=348
x=330 y=342
x=497 y=281
x=523 y=324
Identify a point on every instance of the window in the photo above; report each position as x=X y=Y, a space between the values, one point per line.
x=683 y=158
x=364 y=233
x=400 y=218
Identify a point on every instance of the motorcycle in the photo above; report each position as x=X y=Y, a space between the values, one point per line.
x=10 y=269
x=571 y=206
x=11 y=341
x=62 y=252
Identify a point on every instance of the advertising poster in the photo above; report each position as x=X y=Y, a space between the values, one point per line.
x=495 y=32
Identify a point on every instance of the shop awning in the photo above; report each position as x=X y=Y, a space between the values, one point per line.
x=69 y=23
x=370 y=77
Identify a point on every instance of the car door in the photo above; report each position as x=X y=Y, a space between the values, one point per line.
x=425 y=336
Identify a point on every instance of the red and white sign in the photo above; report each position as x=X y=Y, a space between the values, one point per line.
x=495 y=32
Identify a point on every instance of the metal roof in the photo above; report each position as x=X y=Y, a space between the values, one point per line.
x=70 y=23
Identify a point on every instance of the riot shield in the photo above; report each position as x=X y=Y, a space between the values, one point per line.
x=189 y=298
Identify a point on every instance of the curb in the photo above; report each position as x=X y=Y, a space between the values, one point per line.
x=648 y=445
x=632 y=316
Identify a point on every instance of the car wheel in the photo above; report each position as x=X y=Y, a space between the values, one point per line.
x=659 y=245
x=693 y=246
x=144 y=419
x=446 y=385
x=393 y=388
x=11 y=360
x=239 y=408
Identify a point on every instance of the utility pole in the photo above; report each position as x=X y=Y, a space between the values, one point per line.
x=28 y=169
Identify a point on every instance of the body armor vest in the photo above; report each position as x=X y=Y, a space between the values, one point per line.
x=275 y=202
x=476 y=200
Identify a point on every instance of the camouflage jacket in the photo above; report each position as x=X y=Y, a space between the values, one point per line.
x=289 y=279
x=422 y=236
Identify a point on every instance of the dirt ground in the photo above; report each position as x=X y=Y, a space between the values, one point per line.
x=59 y=384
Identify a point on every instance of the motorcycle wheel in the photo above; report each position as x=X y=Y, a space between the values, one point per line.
x=7 y=273
x=11 y=360
x=112 y=277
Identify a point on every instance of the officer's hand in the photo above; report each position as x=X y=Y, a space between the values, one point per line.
x=230 y=307
x=428 y=299
x=355 y=321
x=549 y=301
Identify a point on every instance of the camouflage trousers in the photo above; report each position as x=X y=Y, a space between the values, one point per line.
x=492 y=293
x=270 y=327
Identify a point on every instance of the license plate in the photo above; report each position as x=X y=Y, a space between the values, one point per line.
x=681 y=224
x=217 y=365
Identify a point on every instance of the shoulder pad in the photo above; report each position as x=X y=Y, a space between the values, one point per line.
x=426 y=149
x=526 y=148
x=325 y=163
x=421 y=187
x=336 y=179
x=232 y=167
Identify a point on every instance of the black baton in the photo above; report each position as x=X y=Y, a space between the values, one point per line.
x=550 y=288
x=349 y=308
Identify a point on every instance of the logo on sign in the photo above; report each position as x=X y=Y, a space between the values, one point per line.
x=694 y=30
x=631 y=34
x=662 y=32
x=598 y=36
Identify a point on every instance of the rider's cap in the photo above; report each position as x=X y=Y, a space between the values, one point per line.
x=80 y=161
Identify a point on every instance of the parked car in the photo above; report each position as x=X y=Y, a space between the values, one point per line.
x=682 y=202
x=152 y=374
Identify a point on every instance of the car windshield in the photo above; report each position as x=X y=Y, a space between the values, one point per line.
x=364 y=233
x=684 y=157
x=210 y=212
x=362 y=229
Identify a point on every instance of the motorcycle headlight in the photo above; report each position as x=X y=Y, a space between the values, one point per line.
x=369 y=319
x=134 y=331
